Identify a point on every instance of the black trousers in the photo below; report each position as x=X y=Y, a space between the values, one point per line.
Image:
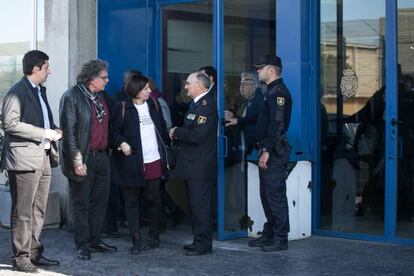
x=90 y=199
x=152 y=202
x=166 y=199
x=110 y=224
x=29 y=192
x=273 y=197
x=199 y=195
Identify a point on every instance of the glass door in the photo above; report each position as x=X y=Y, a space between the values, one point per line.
x=187 y=44
x=405 y=68
x=248 y=32
x=352 y=83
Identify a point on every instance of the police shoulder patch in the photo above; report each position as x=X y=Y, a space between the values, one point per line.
x=201 y=120
x=191 y=116
x=280 y=100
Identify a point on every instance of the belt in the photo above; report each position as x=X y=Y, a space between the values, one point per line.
x=96 y=152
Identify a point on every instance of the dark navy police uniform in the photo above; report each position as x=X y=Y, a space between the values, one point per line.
x=272 y=125
x=197 y=164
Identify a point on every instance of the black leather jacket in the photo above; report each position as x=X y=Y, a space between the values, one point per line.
x=76 y=122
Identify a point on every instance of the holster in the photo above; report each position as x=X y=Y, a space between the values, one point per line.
x=280 y=148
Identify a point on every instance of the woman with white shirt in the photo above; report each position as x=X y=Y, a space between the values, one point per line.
x=140 y=135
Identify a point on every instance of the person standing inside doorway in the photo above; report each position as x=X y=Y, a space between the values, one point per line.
x=197 y=159
x=272 y=125
x=29 y=153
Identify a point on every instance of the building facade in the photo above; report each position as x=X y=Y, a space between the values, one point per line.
x=339 y=57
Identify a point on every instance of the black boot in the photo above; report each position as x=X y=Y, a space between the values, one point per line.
x=152 y=242
x=136 y=244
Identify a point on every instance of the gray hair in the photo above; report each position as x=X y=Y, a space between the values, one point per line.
x=91 y=70
x=278 y=70
x=250 y=77
x=203 y=78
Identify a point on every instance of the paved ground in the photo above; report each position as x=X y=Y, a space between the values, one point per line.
x=313 y=256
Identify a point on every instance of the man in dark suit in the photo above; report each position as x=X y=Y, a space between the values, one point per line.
x=197 y=159
x=29 y=153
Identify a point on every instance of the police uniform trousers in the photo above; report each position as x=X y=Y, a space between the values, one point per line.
x=273 y=196
x=29 y=192
x=199 y=195
x=90 y=199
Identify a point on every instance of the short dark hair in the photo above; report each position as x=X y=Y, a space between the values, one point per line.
x=152 y=84
x=91 y=70
x=210 y=71
x=135 y=84
x=203 y=79
x=33 y=58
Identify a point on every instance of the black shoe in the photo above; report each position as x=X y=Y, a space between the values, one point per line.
x=177 y=216
x=196 y=252
x=189 y=246
x=277 y=246
x=261 y=241
x=43 y=261
x=102 y=247
x=83 y=254
x=26 y=267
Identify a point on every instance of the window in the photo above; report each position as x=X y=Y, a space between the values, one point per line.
x=23 y=31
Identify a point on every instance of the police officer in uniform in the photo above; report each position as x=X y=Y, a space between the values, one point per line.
x=272 y=125
x=197 y=159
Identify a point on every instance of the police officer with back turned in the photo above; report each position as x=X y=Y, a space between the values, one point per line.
x=272 y=125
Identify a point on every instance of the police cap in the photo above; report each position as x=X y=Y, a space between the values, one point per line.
x=269 y=60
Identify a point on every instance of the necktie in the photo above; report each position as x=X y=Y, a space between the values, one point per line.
x=45 y=114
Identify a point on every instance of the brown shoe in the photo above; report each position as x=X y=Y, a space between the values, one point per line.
x=26 y=267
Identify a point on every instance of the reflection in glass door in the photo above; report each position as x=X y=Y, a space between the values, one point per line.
x=353 y=110
x=249 y=32
x=187 y=44
x=405 y=191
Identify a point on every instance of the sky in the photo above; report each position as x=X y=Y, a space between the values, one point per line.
x=359 y=9
x=16 y=20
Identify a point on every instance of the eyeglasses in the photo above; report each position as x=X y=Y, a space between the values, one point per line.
x=104 y=77
x=188 y=83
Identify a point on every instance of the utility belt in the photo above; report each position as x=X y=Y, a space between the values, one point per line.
x=279 y=148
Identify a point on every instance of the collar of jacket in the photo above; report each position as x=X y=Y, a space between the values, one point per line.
x=30 y=87
x=274 y=83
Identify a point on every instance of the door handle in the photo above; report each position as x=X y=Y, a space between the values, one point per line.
x=225 y=146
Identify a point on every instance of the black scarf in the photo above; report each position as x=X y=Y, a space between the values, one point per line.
x=95 y=98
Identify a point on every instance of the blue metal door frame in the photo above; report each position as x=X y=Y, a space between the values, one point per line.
x=218 y=48
x=292 y=44
x=298 y=42
x=218 y=54
x=391 y=136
